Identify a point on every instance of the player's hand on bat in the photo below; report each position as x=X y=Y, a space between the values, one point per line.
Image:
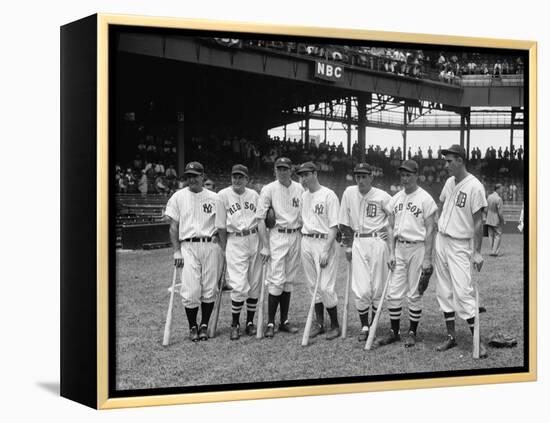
x=427 y=264
x=178 y=259
x=348 y=254
x=265 y=254
x=383 y=235
x=323 y=258
x=478 y=261
x=391 y=262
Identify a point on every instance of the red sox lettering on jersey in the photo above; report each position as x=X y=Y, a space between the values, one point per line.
x=236 y=213
x=410 y=211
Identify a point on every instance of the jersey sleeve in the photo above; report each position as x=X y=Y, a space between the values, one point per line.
x=264 y=202
x=221 y=214
x=478 y=198
x=385 y=202
x=333 y=209
x=172 y=209
x=429 y=206
x=343 y=215
x=444 y=191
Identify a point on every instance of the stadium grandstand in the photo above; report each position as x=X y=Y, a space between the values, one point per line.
x=214 y=100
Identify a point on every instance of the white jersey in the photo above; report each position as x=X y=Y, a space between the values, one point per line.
x=195 y=212
x=364 y=213
x=409 y=212
x=285 y=202
x=460 y=203
x=319 y=211
x=236 y=212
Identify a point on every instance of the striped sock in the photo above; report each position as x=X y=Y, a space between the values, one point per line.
x=251 y=304
x=364 y=317
x=414 y=318
x=395 y=318
x=236 y=307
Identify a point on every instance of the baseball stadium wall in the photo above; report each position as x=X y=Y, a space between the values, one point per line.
x=90 y=309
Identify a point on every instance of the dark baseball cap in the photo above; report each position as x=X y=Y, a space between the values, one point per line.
x=455 y=149
x=240 y=169
x=306 y=167
x=194 y=168
x=363 y=168
x=409 y=166
x=283 y=162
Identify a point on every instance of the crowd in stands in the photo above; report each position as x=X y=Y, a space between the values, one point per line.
x=447 y=67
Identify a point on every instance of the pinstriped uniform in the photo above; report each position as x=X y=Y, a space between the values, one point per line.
x=284 y=247
x=366 y=214
x=237 y=213
x=410 y=212
x=453 y=245
x=195 y=214
x=319 y=215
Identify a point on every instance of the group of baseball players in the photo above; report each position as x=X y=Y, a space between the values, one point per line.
x=388 y=240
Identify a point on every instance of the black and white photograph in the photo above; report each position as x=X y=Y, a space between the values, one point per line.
x=292 y=211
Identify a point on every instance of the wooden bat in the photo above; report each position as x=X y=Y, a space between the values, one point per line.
x=346 y=303
x=168 y=324
x=309 y=321
x=260 y=318
x=216 y=312
x=372 y=330
x=475 y=352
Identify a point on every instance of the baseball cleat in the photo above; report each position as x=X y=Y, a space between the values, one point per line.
x=363 y=335
x=410 y=340
x=269 y=330
x=449 y=343
x=235 y=332
x=194 y=334
x=250 y=329
x=333 y=333
x=388 y=338
x=317 y=329
x=287 y=327
x=203 y=332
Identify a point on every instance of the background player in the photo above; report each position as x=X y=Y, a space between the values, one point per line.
x=192 y=212
x=363 y=218
x=412 y=212
x=495 y=219
x=238 y=230
x=320 y=224
x=282 y=250
x=463 y=198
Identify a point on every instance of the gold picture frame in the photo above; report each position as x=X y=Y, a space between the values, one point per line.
x=86 y=379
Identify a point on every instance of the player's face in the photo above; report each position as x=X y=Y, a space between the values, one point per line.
x=364 y=181
x=306 y=179
x=209 y=185
x=282 y=174
x=194 y=182
x=452 y=164
x=239 y=181
x=408 y=180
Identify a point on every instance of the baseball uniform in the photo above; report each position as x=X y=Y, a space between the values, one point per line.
x=453 y=246
x=409 y=214
x=237 y=215
x=366 y=215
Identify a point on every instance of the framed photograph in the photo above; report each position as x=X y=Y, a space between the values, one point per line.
x=273 y=211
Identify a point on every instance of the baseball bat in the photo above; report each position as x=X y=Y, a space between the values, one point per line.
x=168 y=324
x=309 y=321
x=372 y=330
x=216 y=313
x=346 y=303
x=260 y=319
x=476 y=341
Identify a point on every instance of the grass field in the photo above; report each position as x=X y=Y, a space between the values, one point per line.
x=143 y=278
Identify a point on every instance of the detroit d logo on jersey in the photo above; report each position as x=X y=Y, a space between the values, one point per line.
x=461 y=199
x=371 y=210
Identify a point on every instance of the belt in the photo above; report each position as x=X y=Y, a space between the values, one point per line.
x=246 y=232
x=288 y=231
x=369 y=235
x=318 y=236
x=408 y=242
x=198 y=239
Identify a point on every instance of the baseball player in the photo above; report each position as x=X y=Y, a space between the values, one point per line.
x=463 y=198
x=238 y=230
x=495 y=219
x=192 y=212
x=412 y=216
x=320 y=208
x=363 y=220
x=282 y=250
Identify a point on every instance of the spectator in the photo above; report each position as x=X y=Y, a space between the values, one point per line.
x=513 y=192
x=143 y=183
x=430 y=152
x=160 y=184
